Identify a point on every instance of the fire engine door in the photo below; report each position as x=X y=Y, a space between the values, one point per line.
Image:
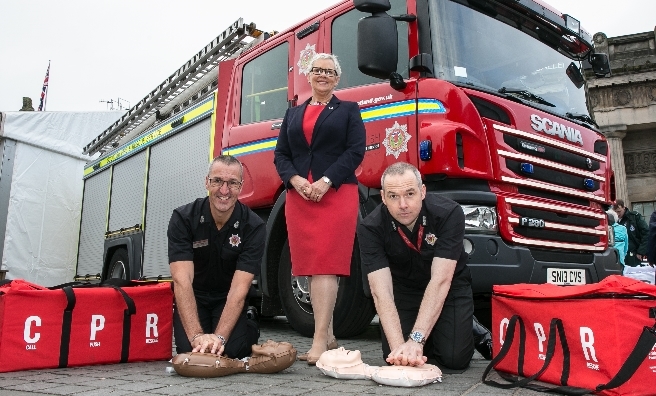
x=260 y=96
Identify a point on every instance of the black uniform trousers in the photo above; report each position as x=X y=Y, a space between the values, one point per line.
x=210 y=306
x=450 y=344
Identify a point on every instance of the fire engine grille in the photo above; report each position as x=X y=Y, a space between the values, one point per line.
x=551 y=176
x=556 y=217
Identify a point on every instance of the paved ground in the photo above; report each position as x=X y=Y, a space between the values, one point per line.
x=151 y=378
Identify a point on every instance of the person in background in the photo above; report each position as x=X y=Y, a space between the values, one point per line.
x=215 y=249
x=651 y=241
x=621 y=238
x=637 y=230
x=321 y=144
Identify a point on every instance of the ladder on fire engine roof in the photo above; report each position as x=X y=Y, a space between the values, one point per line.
x=229 y=43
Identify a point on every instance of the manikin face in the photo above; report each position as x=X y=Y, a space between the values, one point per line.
x=223 y=198
x=323 y=85
x=403 y=197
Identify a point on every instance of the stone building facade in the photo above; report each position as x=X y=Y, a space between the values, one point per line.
x=624 y=107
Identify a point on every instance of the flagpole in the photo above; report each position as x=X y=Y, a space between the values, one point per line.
x=44 y=90
x=47 y=87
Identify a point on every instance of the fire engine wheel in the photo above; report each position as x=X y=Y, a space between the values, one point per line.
x=353 y=310
x=119 y=265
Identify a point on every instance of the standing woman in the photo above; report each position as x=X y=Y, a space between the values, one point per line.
x=321 y=143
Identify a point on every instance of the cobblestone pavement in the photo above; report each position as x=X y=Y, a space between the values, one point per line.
x=151 y=378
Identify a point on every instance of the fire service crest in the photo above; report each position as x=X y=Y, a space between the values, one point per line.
x=305 y=58
x=396 y=139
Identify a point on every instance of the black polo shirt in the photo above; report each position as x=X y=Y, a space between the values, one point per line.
x=382 y=246
x=216 y=254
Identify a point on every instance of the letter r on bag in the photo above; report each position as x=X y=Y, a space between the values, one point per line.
x=27 y=331
x=539 y=331
x=587 y=341
x=151 y=325
x=97 y=324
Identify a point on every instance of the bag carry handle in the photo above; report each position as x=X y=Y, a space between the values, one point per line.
x=127 y=321
x=639 y=353
x=555 y=326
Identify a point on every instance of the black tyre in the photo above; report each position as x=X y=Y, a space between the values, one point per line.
x=353 y=310
x=119 y=265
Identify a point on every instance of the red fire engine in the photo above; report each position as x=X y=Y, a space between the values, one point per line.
x=485 y=97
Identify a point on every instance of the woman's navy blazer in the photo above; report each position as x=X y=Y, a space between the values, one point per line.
x=337 y=148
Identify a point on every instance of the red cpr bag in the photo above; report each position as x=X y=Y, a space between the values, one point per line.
x=30 y=326
x=75 y=325
x=597 y=338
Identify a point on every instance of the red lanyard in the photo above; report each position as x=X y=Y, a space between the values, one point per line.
x=407 y=241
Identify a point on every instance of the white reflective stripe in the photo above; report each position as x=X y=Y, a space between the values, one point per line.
x=551 y=142
x=564 y=227
x=551 y=164
x=561 y=245
x=552 y=187
x=557 y=208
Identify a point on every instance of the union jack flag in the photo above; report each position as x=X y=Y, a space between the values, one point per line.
x=44 y=90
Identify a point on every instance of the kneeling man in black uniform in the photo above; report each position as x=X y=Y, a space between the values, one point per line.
x=215 y=248
x=411 y=247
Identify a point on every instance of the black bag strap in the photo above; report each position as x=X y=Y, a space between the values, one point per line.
x=125 y=283
x=5 y=281
x=555 y=326
x=640 y=352
x=68 y=284
x=127 y=321
x=510 y=336
x=66 y=327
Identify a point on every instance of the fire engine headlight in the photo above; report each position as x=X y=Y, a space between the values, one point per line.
x=611 y=236
x=480 y=218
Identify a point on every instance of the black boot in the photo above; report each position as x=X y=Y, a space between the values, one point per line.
x=482 y=340
x=253 y=325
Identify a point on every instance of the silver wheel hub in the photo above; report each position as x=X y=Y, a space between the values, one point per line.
x=301 y=290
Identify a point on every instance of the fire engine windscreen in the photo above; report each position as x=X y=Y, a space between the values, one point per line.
x=472 y=48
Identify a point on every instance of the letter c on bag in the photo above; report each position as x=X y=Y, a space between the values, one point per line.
x=28 y=329
x=502 y=327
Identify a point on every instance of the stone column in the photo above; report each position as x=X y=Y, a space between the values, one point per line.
x=615 y=134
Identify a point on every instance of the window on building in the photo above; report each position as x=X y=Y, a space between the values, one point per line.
x=644 y=208
x=344 y=45
x=264 y=86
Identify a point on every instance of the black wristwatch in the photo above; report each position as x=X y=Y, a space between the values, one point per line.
x=418 y=336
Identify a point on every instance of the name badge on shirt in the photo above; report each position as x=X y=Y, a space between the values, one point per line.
x=200 y=243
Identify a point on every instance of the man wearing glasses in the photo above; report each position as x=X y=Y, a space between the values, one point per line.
x=215 y=247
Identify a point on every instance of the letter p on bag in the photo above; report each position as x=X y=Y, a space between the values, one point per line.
x=97 y=324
